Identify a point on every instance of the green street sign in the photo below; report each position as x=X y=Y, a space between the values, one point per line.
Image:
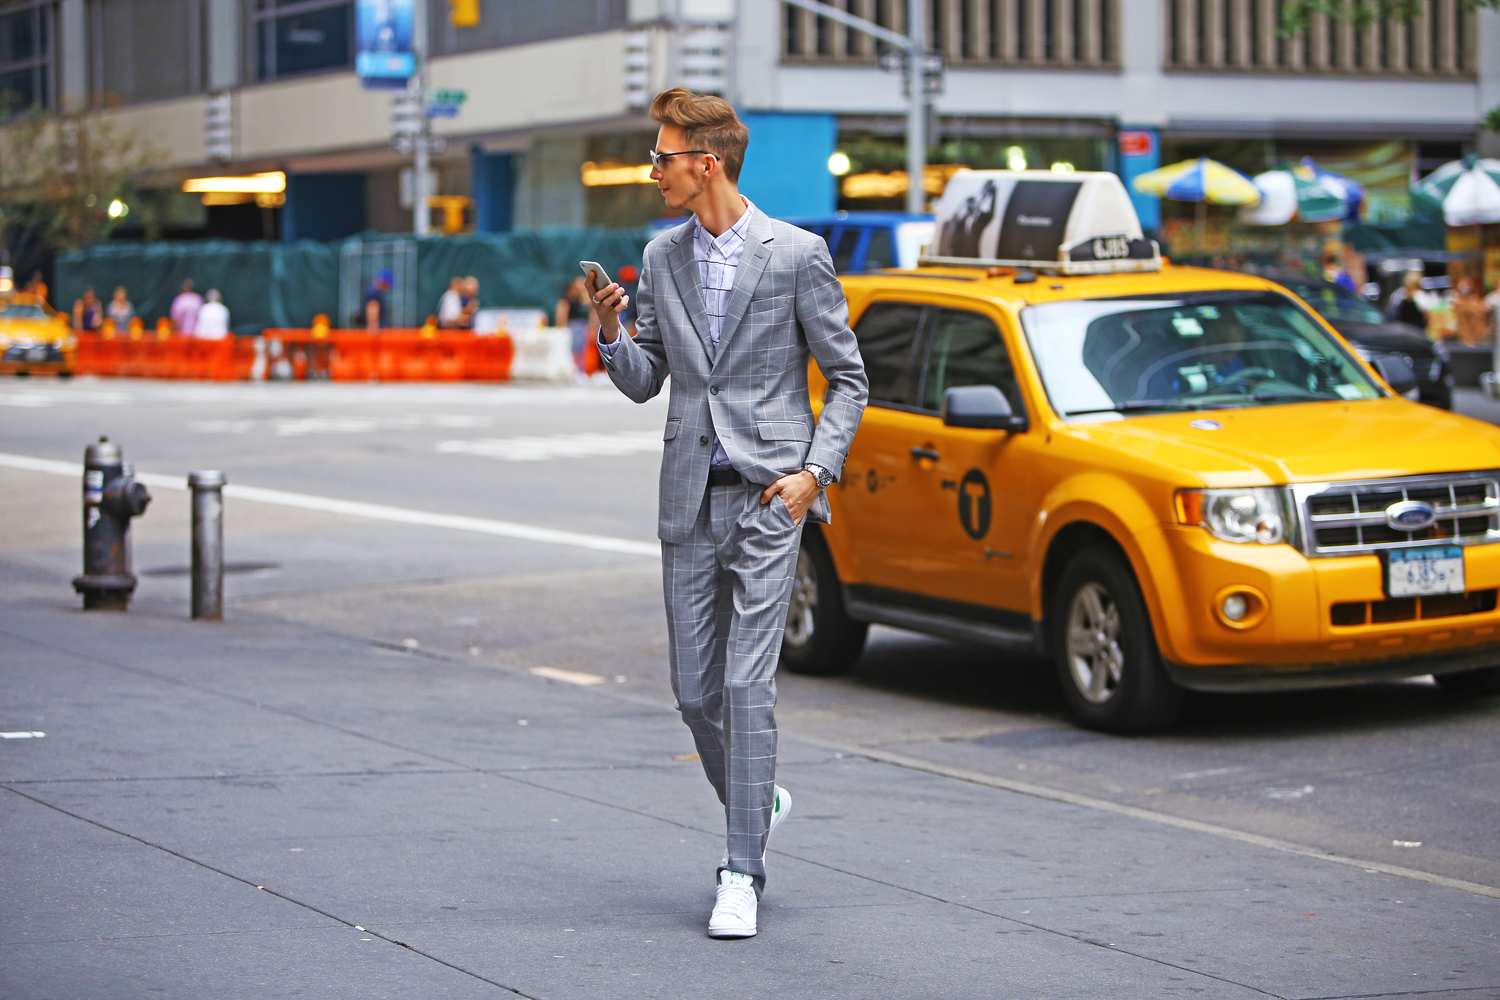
x=450 y=97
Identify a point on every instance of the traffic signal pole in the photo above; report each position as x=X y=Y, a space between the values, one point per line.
x=913 y=45
x=421 y=216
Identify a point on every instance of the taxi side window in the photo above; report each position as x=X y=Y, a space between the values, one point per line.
x=888 y=334
x=967 y=350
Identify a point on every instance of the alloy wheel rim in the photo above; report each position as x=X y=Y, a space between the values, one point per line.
x=1095 y=660
x=802 y=606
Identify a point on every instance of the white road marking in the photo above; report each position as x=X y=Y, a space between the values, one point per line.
x=570 y=676
x=372 y=511
x=536 y=449
x=36 y=736
x=303 y=426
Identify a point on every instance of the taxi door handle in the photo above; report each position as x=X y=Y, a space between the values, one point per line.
x=927 y=453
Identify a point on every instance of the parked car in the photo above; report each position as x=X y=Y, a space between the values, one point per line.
x=871 y=241
x=1372 y=335
x=34 y=338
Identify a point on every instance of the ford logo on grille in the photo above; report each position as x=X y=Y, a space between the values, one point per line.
x=1410 y=515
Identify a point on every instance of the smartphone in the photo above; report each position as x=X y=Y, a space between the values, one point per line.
x=596 y=271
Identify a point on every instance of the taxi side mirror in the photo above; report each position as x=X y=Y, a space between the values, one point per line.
x=981 y=406
x=1397 y=373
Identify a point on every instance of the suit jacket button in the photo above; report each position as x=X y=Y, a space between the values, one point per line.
x=714 y=389
x=703 y=439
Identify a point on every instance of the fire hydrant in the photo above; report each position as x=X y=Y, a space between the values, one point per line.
x=111 y=497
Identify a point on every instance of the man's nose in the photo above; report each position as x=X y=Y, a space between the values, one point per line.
x=655 y=173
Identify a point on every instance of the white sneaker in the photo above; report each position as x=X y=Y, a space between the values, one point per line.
x=734 y=912
x=779 y=808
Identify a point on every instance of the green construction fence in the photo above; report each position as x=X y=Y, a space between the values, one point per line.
x=267 y=284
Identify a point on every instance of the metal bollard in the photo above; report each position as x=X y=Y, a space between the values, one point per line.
x=111 y=497
x=208 y=544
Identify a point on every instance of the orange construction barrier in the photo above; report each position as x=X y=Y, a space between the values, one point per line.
x=426 y=355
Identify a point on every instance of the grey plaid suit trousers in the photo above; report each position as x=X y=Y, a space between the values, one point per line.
x=727 y=588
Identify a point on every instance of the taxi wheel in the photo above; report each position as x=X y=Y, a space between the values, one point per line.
x=1107 y=661
x=1470 y=683
x=820 y=638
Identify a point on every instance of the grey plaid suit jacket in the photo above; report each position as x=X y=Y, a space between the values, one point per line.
x=751 y=392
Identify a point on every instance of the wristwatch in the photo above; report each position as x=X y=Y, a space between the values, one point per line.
x=823 y=476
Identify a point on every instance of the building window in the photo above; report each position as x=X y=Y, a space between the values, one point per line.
x=302 y=36
x=25 y=57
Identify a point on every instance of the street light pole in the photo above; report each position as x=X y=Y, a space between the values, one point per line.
x=914 y=47
x=421 y=216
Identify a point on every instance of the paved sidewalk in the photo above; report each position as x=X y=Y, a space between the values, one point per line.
x=259 y=809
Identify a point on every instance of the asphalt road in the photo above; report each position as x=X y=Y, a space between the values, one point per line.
x=1393 y=774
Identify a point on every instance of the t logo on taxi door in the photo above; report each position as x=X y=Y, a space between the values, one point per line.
x=974 y=504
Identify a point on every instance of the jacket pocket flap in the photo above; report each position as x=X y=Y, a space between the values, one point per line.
x=671 y=430
x=783 y=430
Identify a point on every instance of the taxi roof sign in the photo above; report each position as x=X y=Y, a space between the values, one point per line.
x=1075 y=223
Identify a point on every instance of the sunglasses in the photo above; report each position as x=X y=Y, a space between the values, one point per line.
x=657 y=158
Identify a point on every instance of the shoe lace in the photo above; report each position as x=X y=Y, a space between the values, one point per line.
x=736 y=901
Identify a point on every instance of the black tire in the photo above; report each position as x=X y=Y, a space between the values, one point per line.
x=820 y=638
x=1107 y=661
x=1470 y=683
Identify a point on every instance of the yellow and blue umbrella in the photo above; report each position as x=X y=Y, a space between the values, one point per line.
x=1201 y=180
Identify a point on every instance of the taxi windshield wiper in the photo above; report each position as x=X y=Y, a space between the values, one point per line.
x=1297 y=396
x=1135 y=405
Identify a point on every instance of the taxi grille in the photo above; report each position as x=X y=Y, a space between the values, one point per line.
x=1405 y=609
x=1349 y=518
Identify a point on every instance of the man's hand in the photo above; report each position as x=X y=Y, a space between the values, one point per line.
x=798 y=491
x=609 y=302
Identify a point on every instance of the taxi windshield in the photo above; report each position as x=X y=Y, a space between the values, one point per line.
x=1335 y=304
x=1187 y=352
x=21 y=310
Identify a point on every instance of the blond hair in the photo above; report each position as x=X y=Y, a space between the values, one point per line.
x=707 y=122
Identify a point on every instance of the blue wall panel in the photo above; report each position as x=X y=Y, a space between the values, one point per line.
x=1140 y=153
x=786 y=167
x=494 y=189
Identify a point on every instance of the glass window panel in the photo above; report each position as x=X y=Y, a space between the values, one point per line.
x=878 y=254
x=19 y=91
x=305 y=42
x=843 y=250
x=967 y=350
x=18 y=38
x=888 y=336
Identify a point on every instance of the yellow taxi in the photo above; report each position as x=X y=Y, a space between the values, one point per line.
x=1162 y=478
x=34 y=338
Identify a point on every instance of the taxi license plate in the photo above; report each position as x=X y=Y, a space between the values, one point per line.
x=1420 y=572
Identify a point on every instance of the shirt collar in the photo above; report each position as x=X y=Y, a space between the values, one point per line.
x=741 y=225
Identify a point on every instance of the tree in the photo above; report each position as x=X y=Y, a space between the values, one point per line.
x=65 y=180
x=1295 y=14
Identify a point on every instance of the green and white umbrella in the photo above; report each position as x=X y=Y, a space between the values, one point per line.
x=1296 y=192
x=1466 y=192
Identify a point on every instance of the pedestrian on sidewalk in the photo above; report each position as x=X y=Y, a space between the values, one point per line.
x=731 y=305
x=372 y=307
x=450 y=310
x=87 y=313
x=120 y=309
x=184 y=310
x=213 y=318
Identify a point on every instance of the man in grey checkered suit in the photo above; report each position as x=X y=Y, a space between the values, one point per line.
x=731 y=304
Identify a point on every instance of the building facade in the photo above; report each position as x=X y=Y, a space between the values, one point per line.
x=552 y=129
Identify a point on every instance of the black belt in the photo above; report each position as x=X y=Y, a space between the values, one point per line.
x=724 y=476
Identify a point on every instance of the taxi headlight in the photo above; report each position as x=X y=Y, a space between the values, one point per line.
x=1249 y=515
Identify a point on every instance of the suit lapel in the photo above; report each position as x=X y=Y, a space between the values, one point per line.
x=753 y=260
x=690 y=284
